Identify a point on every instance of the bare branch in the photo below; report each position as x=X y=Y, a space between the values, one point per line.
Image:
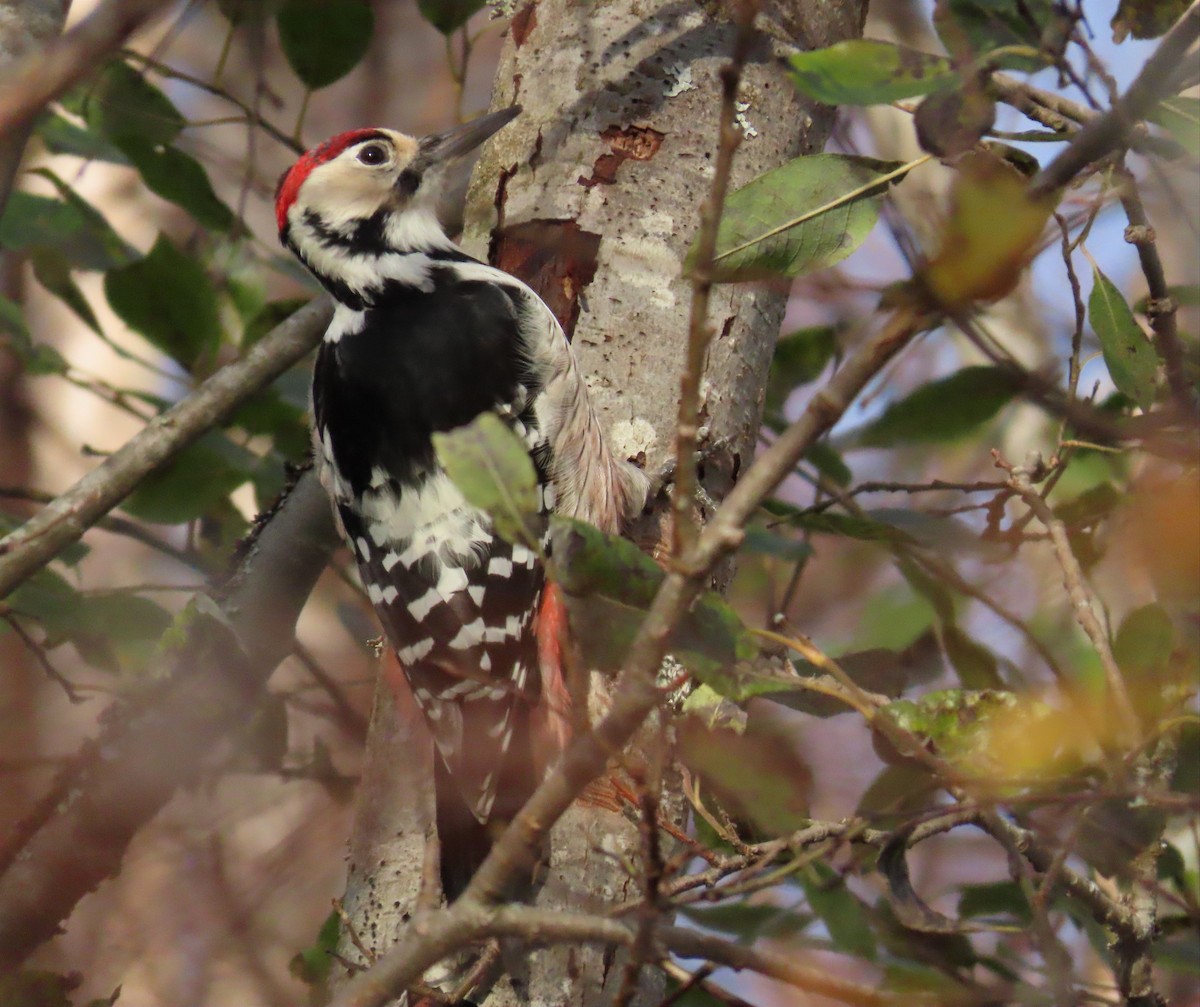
x=700 y=330
x=42 y=76
x=447 y=932
x=27 y=24
x=1108 y=132
x=158 y=741
x=46 y=534
x=1161 y=306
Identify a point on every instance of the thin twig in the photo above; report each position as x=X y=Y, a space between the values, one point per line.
x=118 y=526
x=1081 y=599
x=1108 y=132
x=1161 y=306
x=39 y=654
x=450 y=931
x=700 y=331
x=249 y=114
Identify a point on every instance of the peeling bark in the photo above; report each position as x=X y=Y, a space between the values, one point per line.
x=592 y=196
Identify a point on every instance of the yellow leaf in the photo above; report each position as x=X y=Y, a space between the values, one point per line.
x=990 y=236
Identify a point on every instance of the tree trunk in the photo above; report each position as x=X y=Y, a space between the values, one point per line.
x=592 y=196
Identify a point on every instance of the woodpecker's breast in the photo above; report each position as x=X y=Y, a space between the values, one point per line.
x=457 y=601
x=409 y=365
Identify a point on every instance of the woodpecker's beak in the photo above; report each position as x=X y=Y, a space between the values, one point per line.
x=442 y=148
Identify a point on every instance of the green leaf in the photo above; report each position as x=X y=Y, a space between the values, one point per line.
x=492 y=469
x=799 y=358
x=324 y=40
x=1131 y=360
x=878 y=670
x=757 y=775
x=714 y=710
x=843 y=525
x=12 y=320
x=30 y=988
x=869 y=72
x=748 y=921
x=894 y=618
x=118 y=630
x=313 y=964
x=588 y=562
x=825 y=459
x=269 y=413
x=69 y=224
x=994 y=899
x=1145 y=18
x=974 y=664
x=766 y=543
x=945 y=409
x=844 y=915
x=1186 y=778
x=241 y=12
x=610 y=583
x=168 y=298
x=991 y=234
x=952 y=721
x=1186 y=295
x=61 y=136
x=267 y=317
x=1180 y=116
x=1144 y=642
x=447 y=16
x=974 y=28
x=951 y=122
x=899 y=792
x=1090 y=507
x=53 y=271
x=42 y=359
x=48 y=599
x=910 y=909
x=180 y=179
x=196 y=481
x=802 y=216
x=123 y=105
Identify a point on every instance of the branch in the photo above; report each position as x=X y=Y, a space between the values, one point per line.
x=1106 y=911
x=27 y=22
x=448 y=932
x=700 y=330
x=1161 y=306
x=42 y=76
x=206 y=686
x=47 y=533
x=1108 y=132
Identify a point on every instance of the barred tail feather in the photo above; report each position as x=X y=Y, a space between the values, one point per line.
x=465 y=842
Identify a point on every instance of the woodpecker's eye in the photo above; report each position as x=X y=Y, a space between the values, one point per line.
x=373 y=153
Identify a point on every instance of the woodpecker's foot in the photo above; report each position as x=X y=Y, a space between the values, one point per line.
x=707 y=448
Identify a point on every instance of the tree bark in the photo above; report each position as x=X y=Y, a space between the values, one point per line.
x=592 y=196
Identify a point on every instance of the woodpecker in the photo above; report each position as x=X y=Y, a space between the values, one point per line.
x=424 y=338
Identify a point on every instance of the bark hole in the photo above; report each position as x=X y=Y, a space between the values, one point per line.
x=557 y=258
x=629 y=143
x=523 y=22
